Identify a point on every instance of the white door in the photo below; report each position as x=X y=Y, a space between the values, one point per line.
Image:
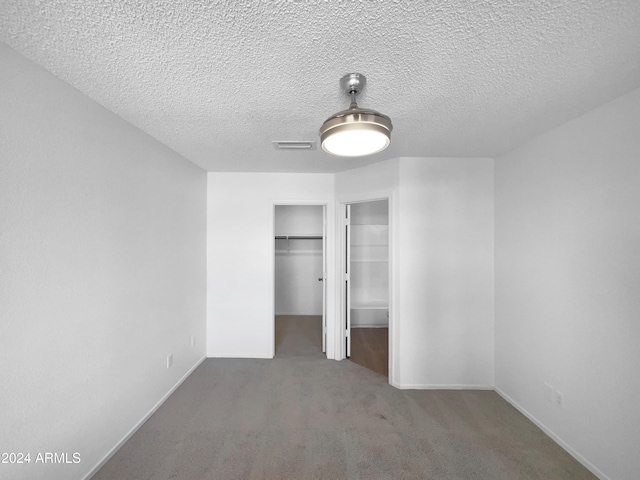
x=323 y=279
x=347 y=281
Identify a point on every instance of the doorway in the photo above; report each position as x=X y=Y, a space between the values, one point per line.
x=367 y=286
x=300 y=278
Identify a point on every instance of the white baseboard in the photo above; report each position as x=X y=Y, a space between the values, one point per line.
x=592 y=468
x=240 y=355
x=135 y=428
x=434 y=386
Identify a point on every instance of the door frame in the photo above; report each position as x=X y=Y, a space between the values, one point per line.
x=329 y=266
x=341 y=207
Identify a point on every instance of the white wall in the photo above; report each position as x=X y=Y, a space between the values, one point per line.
x=445 y=263
x=298 y=262
x=370 y=213
x=298 y=220
x=102 y=271
x=567 y=282
x=441 y=229
x=366 y=182
x=373 y=182
x=240 y=262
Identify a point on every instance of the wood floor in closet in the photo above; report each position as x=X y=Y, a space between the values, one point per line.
x=301 y=335
x=370 y=349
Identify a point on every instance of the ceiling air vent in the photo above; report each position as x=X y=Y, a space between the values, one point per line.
x=291 y=145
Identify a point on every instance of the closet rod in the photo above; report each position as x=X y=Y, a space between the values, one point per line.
x=298 y=237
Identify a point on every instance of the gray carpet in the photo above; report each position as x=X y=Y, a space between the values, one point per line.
x=300 y=416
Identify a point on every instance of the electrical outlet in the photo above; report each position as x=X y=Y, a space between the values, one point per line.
x=559 y=399
x=193 y=341
x=169 y=360
x=548 y=393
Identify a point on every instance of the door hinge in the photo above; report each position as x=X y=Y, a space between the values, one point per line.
x=346 y=333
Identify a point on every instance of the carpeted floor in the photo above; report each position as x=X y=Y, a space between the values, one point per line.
x=300 y=416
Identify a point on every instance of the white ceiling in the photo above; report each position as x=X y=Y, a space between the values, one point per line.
x=217 y=81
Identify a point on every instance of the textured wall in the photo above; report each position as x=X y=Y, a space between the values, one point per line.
x=567 y=283
x=102 y=271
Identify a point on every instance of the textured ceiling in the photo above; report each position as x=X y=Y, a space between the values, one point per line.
x=217 y=81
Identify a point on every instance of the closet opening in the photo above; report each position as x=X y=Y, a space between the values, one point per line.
x=366 y=270
x=300 y=280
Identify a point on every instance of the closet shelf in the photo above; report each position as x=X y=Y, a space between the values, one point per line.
x=298 y=237
x=369 y=304
x=298 y=252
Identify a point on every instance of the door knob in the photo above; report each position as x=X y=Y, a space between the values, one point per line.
x=320 y=279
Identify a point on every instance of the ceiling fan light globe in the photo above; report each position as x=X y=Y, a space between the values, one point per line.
x=355 y=142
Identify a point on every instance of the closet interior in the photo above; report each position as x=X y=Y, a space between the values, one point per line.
x=369 y=285
x=299 y=265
